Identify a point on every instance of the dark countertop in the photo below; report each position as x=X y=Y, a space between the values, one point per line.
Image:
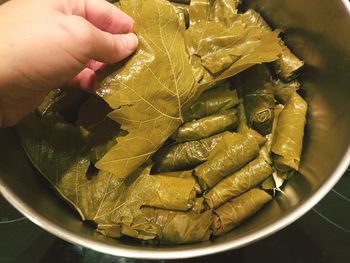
x=322 y=235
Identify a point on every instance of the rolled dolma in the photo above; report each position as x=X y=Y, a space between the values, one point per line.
x=261 y=140
x=259 y=101
x=237 y=210
x=288 y=140
x=242 y=119
x=207 y=126
x=265 y=150
x=244 y=129
x=198 y=206
x=274 y=181
x=229 y=155
x=288 y=64
x=212 y=101
x=184 y=174
x=241 y=181
x=138 y=227
x=180 y=227
x=184 y=156
x=283 y=91
x=173 y=192
x=268 y=183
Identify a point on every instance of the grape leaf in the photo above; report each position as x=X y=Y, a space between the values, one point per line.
x=60 y=152
x=61 y=163
x=222 y=42
x=148 y=92
x=57 y=150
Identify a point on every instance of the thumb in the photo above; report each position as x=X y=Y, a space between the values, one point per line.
x=111 y=48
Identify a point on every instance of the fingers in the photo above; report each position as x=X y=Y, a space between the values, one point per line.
x=93 y=43
x=104 y=16
x=96 y=65
x=110 y=48
x=86 y=80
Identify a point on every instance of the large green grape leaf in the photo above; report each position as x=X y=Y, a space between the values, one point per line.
x=148 y=92
x=55 y=149
x=61 y=153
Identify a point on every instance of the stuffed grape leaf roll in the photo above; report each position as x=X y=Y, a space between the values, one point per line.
x=237 y=210
x=229 y=155
x=259 y=101
x=184 y=174
x=176 y=193
x=241 y=181
x=261 y=140
x=287 y=64
x=283 y=91
x=184 y=156
x=198 y=206
x=288 y=140
x=207 y=126
x=265 y=150
x=180 y=227
x=244 y=129
x=219 y=98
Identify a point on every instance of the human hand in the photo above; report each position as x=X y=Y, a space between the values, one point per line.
x=46 y=44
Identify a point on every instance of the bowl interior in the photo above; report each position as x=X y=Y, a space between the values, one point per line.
x=318 y=32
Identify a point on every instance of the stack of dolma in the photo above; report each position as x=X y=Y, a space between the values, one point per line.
x=185 y=140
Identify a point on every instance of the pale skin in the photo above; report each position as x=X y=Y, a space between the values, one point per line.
x=46 y=44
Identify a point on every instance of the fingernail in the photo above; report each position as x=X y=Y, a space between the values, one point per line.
x=131 y=28
x=130 y=41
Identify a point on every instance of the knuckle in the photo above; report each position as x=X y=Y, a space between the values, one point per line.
x=107 y=20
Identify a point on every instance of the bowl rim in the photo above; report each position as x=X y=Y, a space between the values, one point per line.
x=169 y=253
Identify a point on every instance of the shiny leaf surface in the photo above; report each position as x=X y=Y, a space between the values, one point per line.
x=234 y=212
x=184 y=156
x=236 y=184
x=180 y=227
x=147 y=98
x=288 y=141
x=230 y=154
x=207 y=126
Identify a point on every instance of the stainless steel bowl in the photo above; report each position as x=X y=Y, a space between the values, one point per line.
x=316 y=30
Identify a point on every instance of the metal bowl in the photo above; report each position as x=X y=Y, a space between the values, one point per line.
x=317 y=31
